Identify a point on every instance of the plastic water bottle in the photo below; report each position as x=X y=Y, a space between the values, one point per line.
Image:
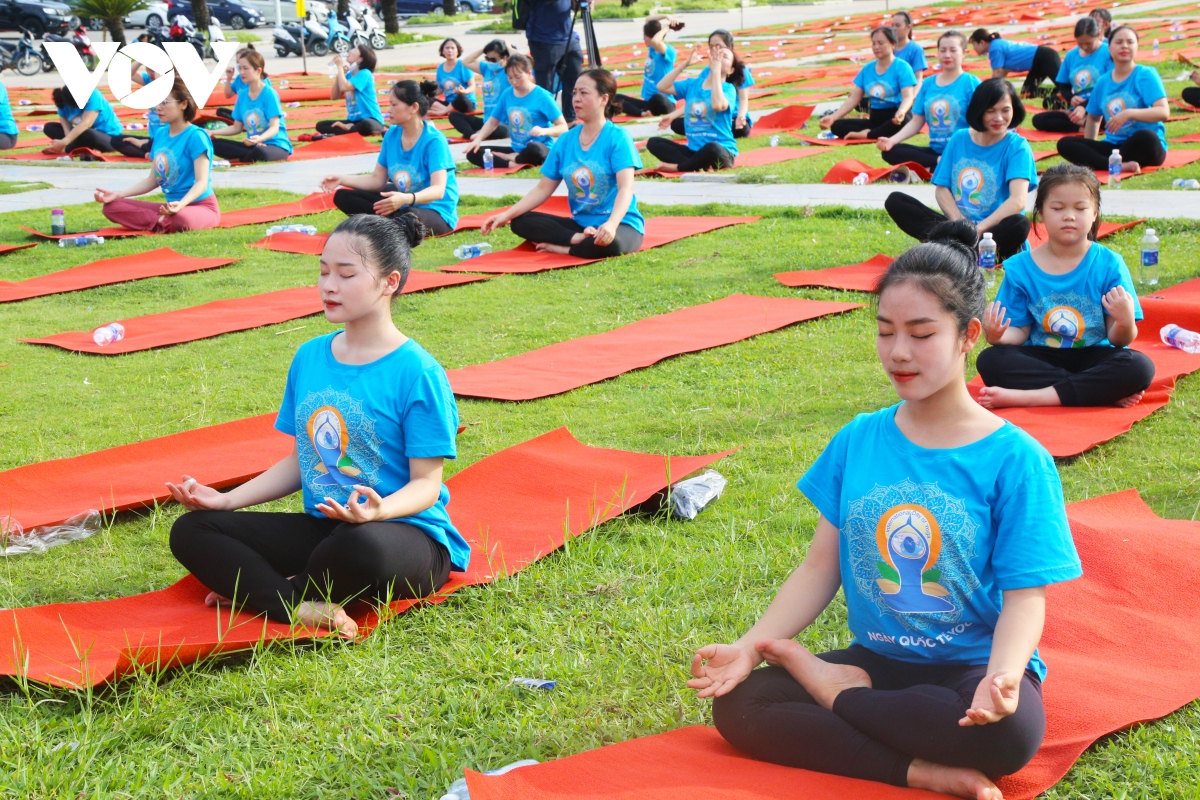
x=63 y=158
x=489 y=161
x=1156 y=50
x=465 y=251
x=58 y=222
x=292 y=104
x=861 y=179
x=283 y=84
x=221 y=162
x=24 y=102
x=34 y=128
x=1185 y=183
x=458 y=789
x=775 y=141
x=107 y=334
x=1114 y=170
x=1185 y=340
x=81 y=241
x=135 y=126
x=987 y=258
x=1149 y=273
x=826 y=135
x=311 y=230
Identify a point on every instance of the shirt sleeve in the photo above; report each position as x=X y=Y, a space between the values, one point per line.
x=1064 y=69
x=1095 y=105
x=239 y=107
x=1020 y=161
x=94 y=103
x=1150 y=86
x=500 y=110
x=549 y=106
x=922 y=98
x=1122 y=277
x=1012 y=295
x=822 y=482
x=363 y=82
x=730 y=92
x=668 y=56
x=997 y=51
x=682 y=87
x=430 y=417
x=285 y=421
x=624 y=154
x=552 y=167
x=382 y=160
x=195 y=146
x=905 y=76
x=860 y=80
x=922 y=63
x=748 y=81
x=270 y=104
x=439 y=155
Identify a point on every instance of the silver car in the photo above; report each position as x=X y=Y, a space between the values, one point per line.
x=152 y=16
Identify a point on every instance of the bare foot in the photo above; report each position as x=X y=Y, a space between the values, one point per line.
x=970 y=784
x=665 y=167
x=1131 y=401
x=326 y=615
x=579 y=237
x=822 y=680
x=212 y=600
x=1131 y=167
x=542 y=247
x=857 y=135
x=999 y=397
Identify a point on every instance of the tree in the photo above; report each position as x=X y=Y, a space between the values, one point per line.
x=111 y=11
x=200 y=12
x=450 y=7
x=343 y=9
x=391 y=23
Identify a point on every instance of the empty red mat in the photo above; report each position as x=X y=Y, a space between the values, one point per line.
x=1130 y=622
x=525 y=258
x=1175 y=158
x=860 y=277
x=847 y=170
x=155 y=263
x=10 y=248
x=225 y=316
x=788 y=118
x=347 y=144
x=513 y=507
x=578 y=362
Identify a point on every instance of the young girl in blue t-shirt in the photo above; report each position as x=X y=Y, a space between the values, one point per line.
x=454 y=80
x=597 y=160
x=489 y=63
x=258 y=114
x=181 y=154
x=890 y=86
x=374 y=420
x=1077 y=77
x=354 y=81
x=943 y=524
x=1066 y=313
x=708 y=111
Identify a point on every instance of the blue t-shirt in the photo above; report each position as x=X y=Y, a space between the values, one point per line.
x=362 y=103
x=448 y=80
x=913 y=55
x=884 y=90
x=945 y=107
x=1012 y=56
x=1140 y=90
x=7 y=123
x=931 y=539
x=591 y=175
x=174 y=159
x=1082 y=72
x=360 y=424
x=747 y=82
x=1065 y=310
x=535 y=110
x=657 y=66
x=700 y=122
x=255 y=115
x=410 y=169
x=239 y=85
x=495 y=81
x=153 y=122
x=106 y=120
x=978 y=176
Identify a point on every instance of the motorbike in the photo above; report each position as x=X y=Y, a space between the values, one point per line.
x=215 y=34
x=78 y=38
x=365 y=28
x=337 y=40
x=287 y=38
x=182 y=30
x=22 y=56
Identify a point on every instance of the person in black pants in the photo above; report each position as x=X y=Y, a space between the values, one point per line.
x=555 y=49
x=890 y=86
x=532 y=117
x=354 y=80
x=1191 y=94
x=708 y=107
x=374 y=419
x=489 y=63
x=1039 y=62
x=1076 y=79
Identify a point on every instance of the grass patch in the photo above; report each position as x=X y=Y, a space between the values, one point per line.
x=444 y=19
x=404 y=37
x=248 y=37
x=502 y=25
x=16 y=187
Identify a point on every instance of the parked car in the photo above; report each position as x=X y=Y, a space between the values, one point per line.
x=417 y=8
x=37 y=18
x=152 y=16
x=476 y=6
x=228 y=12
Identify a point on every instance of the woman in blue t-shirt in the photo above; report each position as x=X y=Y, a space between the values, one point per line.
x=374 y=420
x=708 y=106
x=354 y=79
x=741 y=79
x=182 y=157
x=257 y=113
x=415 y=158
x=1076 y=79
x=1131 y=101
x=985 y=174
x=1066 y=313
x=94 y=126
x=139 y=146
x=489 y=64
x=597 y=160
x=888 y=83
x=455 y=81
x=233 y=84
x=8 y=124
x=908 y=50
x=1041 y=63
x=660 y=58
x=943 y=524
x=531 y=113
x=941 y=102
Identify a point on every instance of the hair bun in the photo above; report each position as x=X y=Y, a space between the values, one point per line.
x=955 y=233
x=412 y=227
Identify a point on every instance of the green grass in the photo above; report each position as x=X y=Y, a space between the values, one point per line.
x=443 y=19
x=249 y=37
x=501 y=25
x=14 y=187
x=404 y=37
x=613 y=619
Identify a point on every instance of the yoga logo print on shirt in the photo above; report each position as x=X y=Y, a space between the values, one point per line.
x=970 y=187
x=878 y=91
x=165 y=172
x=584 y=188
x=1067 y=320
x=403 y=180
x=1115 y=106
x=341 y=448
x=489 y=91
x=910 y=542
x=254 y=122
x=448 y=86
x=699 y=112
x=939 y=113
x=1083 y=80
x=516 y=121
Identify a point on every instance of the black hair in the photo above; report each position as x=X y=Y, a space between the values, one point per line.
x=737 y=72
x=457 y=46
x=366 y=57
x=1101 y=15
x=1087 y=26
x=180 y=92
x=519 y=62
x=986 y=95
x=605 y=84
x=724 y=35
x=63 y=98
x=945 y=266
x=952 y=34
x=907 y=17
x=430 y=89
x=651 y=29
x=496 y=46
x=410 y=93
x=1112 y=34
x=1062 y=175
x=888 y=32
x=982 y=35
x=384 y=243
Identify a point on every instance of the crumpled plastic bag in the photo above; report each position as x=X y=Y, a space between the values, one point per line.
x=689 y=497
x=16 y=541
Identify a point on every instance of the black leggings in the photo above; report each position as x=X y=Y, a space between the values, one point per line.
x=365 y=127
x=917 y=220
x=132 y=146
x=534 y=153
x=1044 y=68
x=1055 y=122
x=874 y=734
x=656 y=105
x=8 y=141
x=534 y=226
x=247 y=556
x=230 y=150
x=877 y=125
x=900 y=153
x=362 y=201
x=1191 y=96
x=710 y=156
x=91 y=138
x=1143 y=147
x=745 y=132
x=469 y=124
x=1084 y=376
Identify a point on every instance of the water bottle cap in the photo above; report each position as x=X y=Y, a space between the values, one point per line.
x=988 y=235
x=56 y=211
x=1149 y=231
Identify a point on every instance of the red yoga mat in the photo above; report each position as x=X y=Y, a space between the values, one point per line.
x=314 y=203
x=1042 y=136
x=9 y=248
x=835 y=142
x=860 y=277
x=568 y=365
x=479 y=172
x=155 y=263
x=753 y=158
x=788 y=118
x=1111 y=628
x=226 y=316
x=1037 y=233
x=847 y=170
x=348 y=144
x=526 y=259
x=513 y=507
x=105 y=232
x=1175 y=158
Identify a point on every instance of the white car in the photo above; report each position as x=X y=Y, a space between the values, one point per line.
x=152 y=16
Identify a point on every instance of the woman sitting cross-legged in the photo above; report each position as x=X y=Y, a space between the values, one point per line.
x=532 y=116
x=139 y=146
x=943 y=524
x=1077 y=77
x=415 y=157
x=597 y=160
x=257 y=113
x=660 y=58
x=707 y=115
x=354 y=80
x=985 y=174
x=1066 y=313
x=94 y=126
x=374 y=419
x=888 y=83
x=489 y=63
x=8 y=124
x=182 y=155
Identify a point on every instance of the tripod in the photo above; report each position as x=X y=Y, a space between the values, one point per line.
x=589 y=35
